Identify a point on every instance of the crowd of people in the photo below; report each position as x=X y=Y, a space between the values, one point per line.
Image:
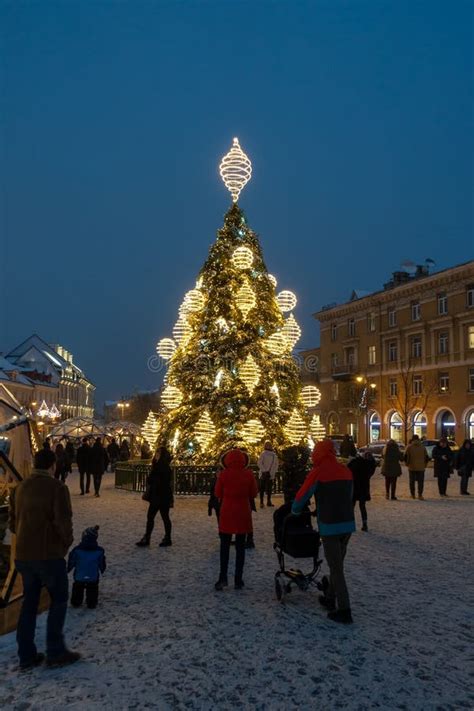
x=41 y=518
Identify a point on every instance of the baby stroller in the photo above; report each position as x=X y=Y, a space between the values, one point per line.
x=295 y=536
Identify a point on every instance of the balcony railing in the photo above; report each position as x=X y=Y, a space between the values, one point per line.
x=345 y=370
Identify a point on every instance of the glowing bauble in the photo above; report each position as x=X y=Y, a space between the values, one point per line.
x=276 y=344
x=273 y=280
x=316 y=428
x=150 y=429
x=295 y=428
x=166 y=348
x=235 y=170
x=171 y=397
x=242 y=258
x=291 y=331
x=204 y=430
x=311 y=395
x=193 y=301
x=253 y=431
x=249 y=373
x=245 y=299
x=286 y=301
x=182 y=330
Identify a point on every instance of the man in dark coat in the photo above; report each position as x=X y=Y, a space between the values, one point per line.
x=362 y=469
x=113 y=450
x=443 y=464
x=83 y=458
x=98 y=464
x=465 y=464
x=347 y=448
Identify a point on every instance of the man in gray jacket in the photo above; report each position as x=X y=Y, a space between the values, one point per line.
x=416 y=458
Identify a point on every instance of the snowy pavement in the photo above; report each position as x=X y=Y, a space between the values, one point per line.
x=162 y=638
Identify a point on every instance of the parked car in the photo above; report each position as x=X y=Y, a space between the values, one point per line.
x=376 y=449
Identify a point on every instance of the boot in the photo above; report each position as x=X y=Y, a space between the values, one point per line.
x=221 y=584
x=327 y=602
x=165 y=542
x=364 y=526
x=65 y=658
x=35 y=662
x=145 y=541
x=343 y=616
x=238 y=584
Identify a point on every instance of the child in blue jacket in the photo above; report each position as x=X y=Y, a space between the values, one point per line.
x=88 y=561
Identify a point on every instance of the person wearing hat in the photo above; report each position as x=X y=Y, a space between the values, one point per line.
x=88 y=562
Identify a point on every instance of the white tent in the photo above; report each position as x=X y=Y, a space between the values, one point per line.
x=78 y=427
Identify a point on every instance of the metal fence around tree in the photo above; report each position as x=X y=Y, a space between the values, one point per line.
x=188 y=480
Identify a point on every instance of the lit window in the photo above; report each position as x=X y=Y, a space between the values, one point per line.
x=392 y=351
x=470 y=296
x=371 y=321
x=393 y=388
x=471 y=380
x=443 y=382
x=417 y=385
x=351 y=327
x=416 y=347
x=333 y=332
x=470 y=337
x=415 y=311
x=442 y=304
x=372 y=356
x=443 y=343
x=392 y=318
x=335 y=391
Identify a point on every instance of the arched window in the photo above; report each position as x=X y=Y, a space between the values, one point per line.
x=446 y=424
x=333 y=423
x=419 y=424
x=374 y=426
x=470 y=425
x=396 y=427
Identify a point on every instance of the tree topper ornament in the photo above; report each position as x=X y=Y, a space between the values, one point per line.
x=235 y=170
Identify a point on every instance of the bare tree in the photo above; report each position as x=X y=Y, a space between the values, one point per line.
x=414 y=393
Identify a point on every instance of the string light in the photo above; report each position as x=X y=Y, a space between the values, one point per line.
x=295 y=428
x=166 y=348
x=235 y=170
x=274 y=390
x=276 y=343
x=182 y=330
x=43 y=410
x=150 y=429
x=218 y=379
x=291 y=331
x=273 y=280
x=193 y=301
x=242 y=258
x=311 y=395
x=222 y=323
x=253 y=431
x=317 y=428
x=286 y=300
x=204 y=430
x=175 y=440
x=245 y=299
x=171 y=397
x=54 y=412
x=249 y=373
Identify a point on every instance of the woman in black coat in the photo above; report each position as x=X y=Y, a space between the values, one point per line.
x=61 y=470
x=362 y=469
x=159 y=493
x=99 y=462
x=465 y=464
x=442 y=456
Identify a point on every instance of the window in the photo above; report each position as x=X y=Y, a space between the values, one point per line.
x=470 y=337
x=415 y=311
x=334 y=391
x=417 y=385
x=416 y=347
x=333 y=332
x=471 y=380
x=470 y=296
x=372 y=356
x=351 y=327
x=334 y=360
x=371 y=321
x=442 y=304
x=392 y=352
x=392 y=318
x=350 y=356
x=443 y=343
x=443 y=382
x=393 y=388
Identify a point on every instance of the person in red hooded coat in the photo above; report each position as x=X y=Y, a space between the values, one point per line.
x=235 y=488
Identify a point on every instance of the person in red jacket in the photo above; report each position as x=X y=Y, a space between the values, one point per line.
x=235 y=488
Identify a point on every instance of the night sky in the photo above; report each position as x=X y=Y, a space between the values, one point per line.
x=357 y=117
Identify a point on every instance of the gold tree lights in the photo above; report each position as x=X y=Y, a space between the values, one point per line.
x=231 y=378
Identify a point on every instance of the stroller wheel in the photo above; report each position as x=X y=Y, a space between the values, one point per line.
x=278 y=589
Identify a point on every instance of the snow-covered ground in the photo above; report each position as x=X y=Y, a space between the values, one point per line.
x=162 y=638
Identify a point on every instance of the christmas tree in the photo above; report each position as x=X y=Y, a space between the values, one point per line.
x=232 y=380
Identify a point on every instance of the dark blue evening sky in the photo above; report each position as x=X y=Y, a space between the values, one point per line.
x=357 y=117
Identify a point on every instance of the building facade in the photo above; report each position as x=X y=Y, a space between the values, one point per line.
x=401 y=360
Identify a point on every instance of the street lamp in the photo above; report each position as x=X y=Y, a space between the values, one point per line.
x=365 y=403
x=122 y=405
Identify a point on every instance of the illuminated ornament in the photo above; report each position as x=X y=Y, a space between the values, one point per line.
x=273 y=280
x=242 y=258
x=222 y=323
x=249 y=373
x=276 y=343
x=316 y=428
x=204 y=430
x=295 y=428
x=182 y=330
x=171 y=397
x=291 y=331
x=43 y=410
x=150 y=429
x=54 y=412
x=235 y=170
x=166 y=348
x=245 y=299
x=286 y=301
x=275 y=392
x=311 y=395
x=193 y=301
x=253 y=431
x=218 y=379
x=175 y=440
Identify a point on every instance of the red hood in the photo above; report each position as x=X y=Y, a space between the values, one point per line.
x=235 y=459
x=323 y=450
